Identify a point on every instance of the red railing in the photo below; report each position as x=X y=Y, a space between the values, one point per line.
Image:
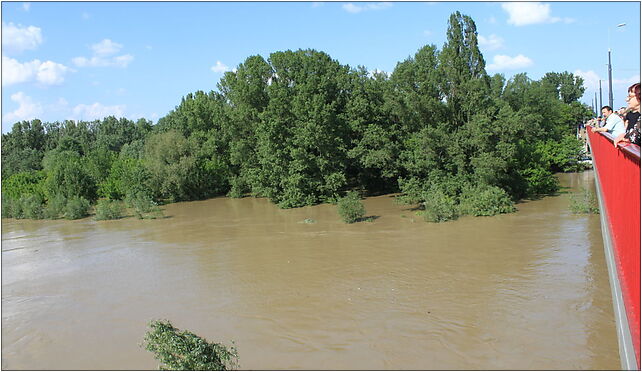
x=618 y=171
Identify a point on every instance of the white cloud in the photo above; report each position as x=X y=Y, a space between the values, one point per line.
x=492 y=20
x=51 y=73
x=122 y=61
x=317 y=4
x=106 y=48
x=591 y=79
x=96 y=111
x=528 y=13
x=18 y=38
x=85 y=15
x=48 y=72
x=220 y=67
x=502 y=62
x=351 y=8
x=492 y=42
x=103 y=56
x=627 y=82
x=427 y=33
x=27 y=109
x=26 y=6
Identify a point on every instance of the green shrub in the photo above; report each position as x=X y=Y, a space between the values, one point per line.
x=77 y=207
x=584 y=202
x=184 y=351
x=11 y=208
x=55 y=206
x=351 y=208
x=540 y=181
x=439 y=207
x=24 y=183
x=143 y=205
x=109 y=209
x=32 y=206
x=485 y=201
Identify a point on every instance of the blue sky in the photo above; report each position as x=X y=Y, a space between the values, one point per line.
x=87 y=60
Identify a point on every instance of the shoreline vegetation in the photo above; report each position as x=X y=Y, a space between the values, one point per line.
x=301 y=129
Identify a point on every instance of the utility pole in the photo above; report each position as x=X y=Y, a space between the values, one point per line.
x=610 y=69
x=610 y=82
x=601 y=94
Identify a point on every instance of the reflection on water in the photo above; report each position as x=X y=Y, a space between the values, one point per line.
x=528 y=290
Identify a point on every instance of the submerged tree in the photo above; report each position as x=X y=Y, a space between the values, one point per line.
x=184 y=351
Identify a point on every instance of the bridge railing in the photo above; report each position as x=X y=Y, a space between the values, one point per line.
x=618 y=185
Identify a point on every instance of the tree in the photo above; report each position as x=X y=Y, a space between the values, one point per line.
x=23 y=147
x=68 y=175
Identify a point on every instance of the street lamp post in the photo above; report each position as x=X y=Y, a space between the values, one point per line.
x=600 y=93
x=610 y=73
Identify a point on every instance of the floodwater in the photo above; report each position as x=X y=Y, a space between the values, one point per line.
x=527 y=290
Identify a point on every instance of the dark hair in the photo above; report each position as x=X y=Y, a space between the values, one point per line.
x=608 y=108
x=635 y=88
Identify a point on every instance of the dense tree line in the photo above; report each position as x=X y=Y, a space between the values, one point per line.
x=300 y=128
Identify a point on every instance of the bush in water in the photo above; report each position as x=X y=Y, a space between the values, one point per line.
x=55 y=207
x=184 y=351
x=77 y=207
x=109 y=209
x=32 y=206
x=143 y=205
x=351 y=208
x=585 y=202
x=485 y=201
x=439 y=207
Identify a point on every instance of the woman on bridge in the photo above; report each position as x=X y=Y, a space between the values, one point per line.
x=632 y=134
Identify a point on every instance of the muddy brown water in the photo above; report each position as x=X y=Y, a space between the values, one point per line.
x=527 y=290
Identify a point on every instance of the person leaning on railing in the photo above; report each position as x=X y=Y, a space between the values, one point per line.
x=632 y=134
x=614 y=124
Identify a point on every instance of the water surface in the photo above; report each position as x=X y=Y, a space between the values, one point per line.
x=527 y=290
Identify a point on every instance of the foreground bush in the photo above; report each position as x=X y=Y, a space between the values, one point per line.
x=439 y=207
x=109 y=209
x=485 y=201
x=351 y=208
x=184 y=351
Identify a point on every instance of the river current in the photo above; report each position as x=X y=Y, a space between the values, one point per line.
x=527 y=290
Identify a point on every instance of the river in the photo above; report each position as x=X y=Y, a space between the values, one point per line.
x=527 y=290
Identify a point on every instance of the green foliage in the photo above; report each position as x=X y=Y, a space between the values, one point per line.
x=127 y=176
x=109 y=209
x=27 y=206
x=144 y=206
x=55 y=207
x=32 y=206
x=24 y=183
x=439 y=207
x=351 y=208
x=68 y=175
x=540 y=181
x=76 y=207
x=584 y=203
x=184 y=351
x=485 y=200
x=300 y=128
